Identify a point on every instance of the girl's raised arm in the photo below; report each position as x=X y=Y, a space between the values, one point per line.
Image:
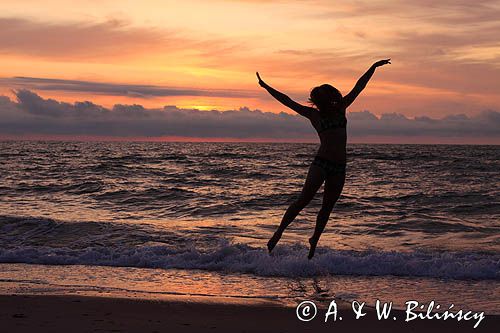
x=303 y=110
x=362 y=82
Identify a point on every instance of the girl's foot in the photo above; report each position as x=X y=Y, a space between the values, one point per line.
x=273 y=241
x=313 y=242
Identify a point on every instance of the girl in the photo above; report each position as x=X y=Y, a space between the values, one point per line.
x=328 y=117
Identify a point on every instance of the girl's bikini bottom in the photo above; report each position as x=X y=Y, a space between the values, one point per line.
x=329 y=167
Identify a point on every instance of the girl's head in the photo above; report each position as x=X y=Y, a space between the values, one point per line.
x=324 y=96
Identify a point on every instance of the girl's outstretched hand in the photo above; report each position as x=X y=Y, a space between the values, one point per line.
x=382 y=63
x=261 y=83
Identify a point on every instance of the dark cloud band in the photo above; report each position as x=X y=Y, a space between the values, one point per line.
x=34 y=115
x=143 y=91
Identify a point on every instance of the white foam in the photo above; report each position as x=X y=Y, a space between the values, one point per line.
x=287 y=260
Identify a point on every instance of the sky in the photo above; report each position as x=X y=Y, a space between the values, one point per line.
x=175 y=60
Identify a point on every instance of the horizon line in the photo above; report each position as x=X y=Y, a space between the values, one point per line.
x=174 y=139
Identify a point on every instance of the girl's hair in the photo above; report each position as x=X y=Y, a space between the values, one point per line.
x=324 y=96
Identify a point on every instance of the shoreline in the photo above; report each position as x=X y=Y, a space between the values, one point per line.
x=60 y=313
x=198 y=286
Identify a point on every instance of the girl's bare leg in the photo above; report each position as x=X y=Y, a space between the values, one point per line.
x=333 y=187
x=314 y=180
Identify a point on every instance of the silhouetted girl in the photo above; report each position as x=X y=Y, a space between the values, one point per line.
x=328 y=117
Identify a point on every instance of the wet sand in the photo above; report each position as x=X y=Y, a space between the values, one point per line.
x=48 y=313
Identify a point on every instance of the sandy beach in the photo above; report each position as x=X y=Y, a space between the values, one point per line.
x=30 y=313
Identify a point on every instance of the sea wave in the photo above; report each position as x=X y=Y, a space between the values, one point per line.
x=286 y=261
x=38 y=240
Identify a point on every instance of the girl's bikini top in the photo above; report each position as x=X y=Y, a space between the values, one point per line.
x=337 y=121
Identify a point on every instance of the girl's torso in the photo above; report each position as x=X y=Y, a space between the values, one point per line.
x=332 y=132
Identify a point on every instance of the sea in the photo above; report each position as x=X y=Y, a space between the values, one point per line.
x=414 y=222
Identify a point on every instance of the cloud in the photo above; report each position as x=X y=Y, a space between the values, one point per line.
x=451 y=45
x=111 y=89
x=34 y=115
x=485 y=124
x=61 y=40
x=110 y=40
x=441 y=12
x=50 y=117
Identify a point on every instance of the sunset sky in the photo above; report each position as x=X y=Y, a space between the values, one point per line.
x=203 y=54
